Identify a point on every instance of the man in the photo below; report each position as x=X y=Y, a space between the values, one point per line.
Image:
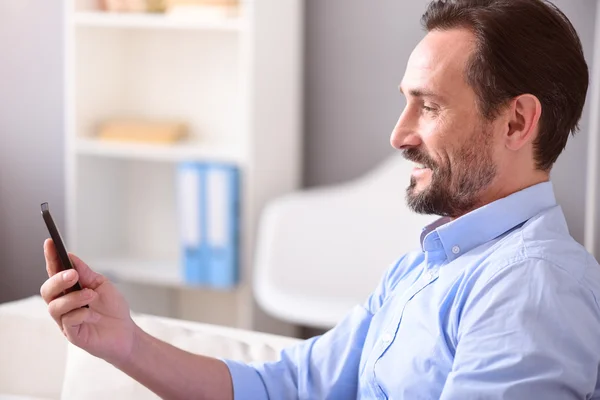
x=500 y=302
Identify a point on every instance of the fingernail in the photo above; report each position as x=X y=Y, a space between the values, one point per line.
x=87 y=293
x=69 y=275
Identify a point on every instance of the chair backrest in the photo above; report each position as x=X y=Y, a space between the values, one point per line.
x=322 y=251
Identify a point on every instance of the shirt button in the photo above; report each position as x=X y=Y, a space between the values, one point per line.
x=431 y=274
x=386 y=338
x=456 y=250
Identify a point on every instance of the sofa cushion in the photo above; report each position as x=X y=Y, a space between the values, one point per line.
x=32 y=349
x=91 y=378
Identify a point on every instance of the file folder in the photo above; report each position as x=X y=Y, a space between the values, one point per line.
x=209 y=219
x=191 y=188
x=222 y=220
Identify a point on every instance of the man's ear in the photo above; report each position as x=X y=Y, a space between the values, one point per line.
x=523 y=120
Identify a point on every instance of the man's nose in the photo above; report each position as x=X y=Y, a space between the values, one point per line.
x=404 y=134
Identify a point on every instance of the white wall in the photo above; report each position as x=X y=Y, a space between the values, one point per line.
x=356 y=52
x=569 y=174
x=356 y=55
x=31 y=146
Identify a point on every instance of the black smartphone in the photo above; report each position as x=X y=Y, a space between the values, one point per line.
x=63 y=256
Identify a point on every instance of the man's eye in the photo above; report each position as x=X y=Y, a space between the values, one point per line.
x=428 y=109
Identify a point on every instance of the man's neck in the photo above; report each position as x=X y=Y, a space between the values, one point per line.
x=509 y=186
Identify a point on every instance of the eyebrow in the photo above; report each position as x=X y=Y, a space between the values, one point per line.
x=421 y=93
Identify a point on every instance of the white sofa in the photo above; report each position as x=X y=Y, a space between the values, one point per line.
x=37 y=362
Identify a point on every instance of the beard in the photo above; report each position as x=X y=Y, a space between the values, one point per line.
x=455 y=188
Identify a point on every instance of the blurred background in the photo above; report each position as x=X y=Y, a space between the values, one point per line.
x=279 y=97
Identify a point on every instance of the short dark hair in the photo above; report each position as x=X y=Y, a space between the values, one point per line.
x=522 y=47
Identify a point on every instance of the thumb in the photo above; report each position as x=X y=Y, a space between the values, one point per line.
x=87 y=277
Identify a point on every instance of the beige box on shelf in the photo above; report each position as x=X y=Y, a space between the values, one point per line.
x=142 y=131
x=202 y=8
x=202 y=3
x=162 y=5
x=134 y=5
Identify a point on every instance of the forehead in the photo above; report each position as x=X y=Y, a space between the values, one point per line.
x=438 y=62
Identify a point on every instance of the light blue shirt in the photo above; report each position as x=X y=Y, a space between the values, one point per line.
x=499 y=304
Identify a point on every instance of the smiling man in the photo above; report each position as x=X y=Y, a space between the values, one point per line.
x=499 y=303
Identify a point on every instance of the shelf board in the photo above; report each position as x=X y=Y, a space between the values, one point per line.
x=159 y=152
x=147 y=272
x=139 y=271
x=101 y=19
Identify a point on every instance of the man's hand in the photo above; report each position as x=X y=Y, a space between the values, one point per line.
x=105 y=329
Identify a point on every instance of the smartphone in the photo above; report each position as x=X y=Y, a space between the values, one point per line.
x=63 y=256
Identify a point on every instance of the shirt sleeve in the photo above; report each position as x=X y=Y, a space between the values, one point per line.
x=529 y=332
x=322 y=367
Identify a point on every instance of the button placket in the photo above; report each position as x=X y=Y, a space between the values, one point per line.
x=392 y=327
x=390 y=331
x=387 y=338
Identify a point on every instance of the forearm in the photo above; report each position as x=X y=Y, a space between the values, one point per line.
x=173 y=373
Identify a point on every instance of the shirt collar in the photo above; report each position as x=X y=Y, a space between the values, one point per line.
x=488 y=222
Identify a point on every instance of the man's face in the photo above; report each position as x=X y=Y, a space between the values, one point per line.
x=441 y=129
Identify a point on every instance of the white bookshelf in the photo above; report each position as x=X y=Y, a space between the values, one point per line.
x=236 y=81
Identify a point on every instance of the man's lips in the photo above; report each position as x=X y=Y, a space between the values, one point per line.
x=420 y=165
x=420 y=170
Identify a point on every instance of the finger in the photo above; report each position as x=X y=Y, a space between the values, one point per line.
x=57 y=284
x=87 y=277
x=69 y=302
x=72 y=321
x=51 y=256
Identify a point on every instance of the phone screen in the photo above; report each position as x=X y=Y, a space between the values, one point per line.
x=59 y=244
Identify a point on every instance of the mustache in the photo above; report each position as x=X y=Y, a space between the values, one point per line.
x=416 y=155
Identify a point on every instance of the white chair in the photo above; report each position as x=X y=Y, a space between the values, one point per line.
x=322 y=251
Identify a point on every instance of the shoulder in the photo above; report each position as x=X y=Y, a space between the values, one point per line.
x=540 y=257
x=543 y=240
x=546 y=237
